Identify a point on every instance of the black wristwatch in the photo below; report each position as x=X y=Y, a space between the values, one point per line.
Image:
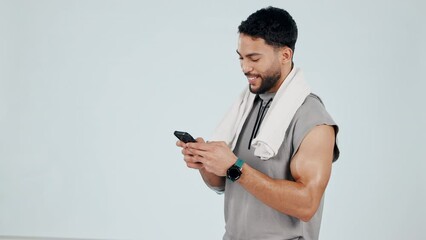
x=234 y=172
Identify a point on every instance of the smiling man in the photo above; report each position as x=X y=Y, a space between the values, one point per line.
x=272 y=153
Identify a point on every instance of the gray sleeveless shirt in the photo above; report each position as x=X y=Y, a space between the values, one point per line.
x=245 y=216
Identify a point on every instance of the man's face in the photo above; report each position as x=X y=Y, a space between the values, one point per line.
x=260 y=63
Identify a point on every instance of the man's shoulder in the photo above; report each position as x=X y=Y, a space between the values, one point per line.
x=313 y=100
x=311 y=113
x=312 y=106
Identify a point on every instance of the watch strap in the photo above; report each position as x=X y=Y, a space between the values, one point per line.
x=239 y=163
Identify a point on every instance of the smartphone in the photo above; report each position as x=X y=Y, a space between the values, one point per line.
x=184 y=137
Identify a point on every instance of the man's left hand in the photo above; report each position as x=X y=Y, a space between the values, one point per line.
x=216 y=157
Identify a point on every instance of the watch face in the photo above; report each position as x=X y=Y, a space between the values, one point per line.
x=234 y=173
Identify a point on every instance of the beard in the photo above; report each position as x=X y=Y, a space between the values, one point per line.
x=268 y=82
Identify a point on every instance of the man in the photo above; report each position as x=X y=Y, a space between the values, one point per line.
x=272 y=153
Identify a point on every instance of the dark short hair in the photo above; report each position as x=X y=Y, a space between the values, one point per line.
x=276 y=26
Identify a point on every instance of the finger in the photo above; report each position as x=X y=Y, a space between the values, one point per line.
x=199 y=146
x=180 y=144
x=200 y=140
x=198 y=158
x=217 y=143
x=185 y=151
x=194 y=165
x=197 y=152
x=189 y=159
x=193 y=160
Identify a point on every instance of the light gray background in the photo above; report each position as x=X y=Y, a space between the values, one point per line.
x=91 y=92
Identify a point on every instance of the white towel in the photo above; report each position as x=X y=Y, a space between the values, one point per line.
x=289 y=97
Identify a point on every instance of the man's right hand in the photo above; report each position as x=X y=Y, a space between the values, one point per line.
x=215 y=182
x=188 y=156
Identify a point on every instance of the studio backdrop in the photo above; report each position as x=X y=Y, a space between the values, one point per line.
x=91 y=92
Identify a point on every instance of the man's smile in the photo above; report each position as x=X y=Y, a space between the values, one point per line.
x=252 y=78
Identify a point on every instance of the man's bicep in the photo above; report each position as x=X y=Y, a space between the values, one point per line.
x=311 y=165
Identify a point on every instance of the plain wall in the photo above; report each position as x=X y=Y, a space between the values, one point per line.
x=91 y=92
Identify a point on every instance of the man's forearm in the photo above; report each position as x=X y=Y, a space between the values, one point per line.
x=212 y=180
x=284 y=196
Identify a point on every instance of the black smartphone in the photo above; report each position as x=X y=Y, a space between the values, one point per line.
x=184 y=137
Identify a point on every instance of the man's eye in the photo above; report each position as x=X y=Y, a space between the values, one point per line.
x=240 y=58
x=255 y=60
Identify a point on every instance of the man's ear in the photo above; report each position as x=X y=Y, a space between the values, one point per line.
x=286 y=55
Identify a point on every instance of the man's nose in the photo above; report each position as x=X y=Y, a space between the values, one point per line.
x=246 y=68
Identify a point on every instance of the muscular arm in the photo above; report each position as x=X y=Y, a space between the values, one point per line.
x=311 y=169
